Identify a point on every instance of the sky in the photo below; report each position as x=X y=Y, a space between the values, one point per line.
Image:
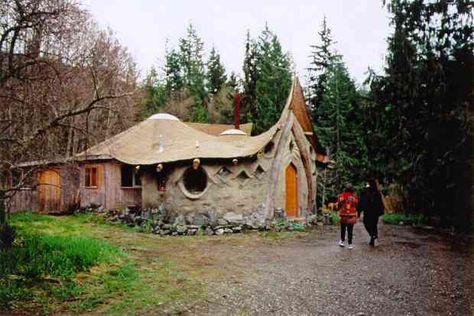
x=360 y=28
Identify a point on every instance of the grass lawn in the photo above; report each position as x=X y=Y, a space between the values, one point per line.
x=78 y=264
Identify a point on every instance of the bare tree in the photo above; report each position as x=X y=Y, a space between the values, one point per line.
x=64 y=85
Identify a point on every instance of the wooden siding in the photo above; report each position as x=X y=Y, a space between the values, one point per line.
x=109 y=192
x=24 y=199
x=65 y=188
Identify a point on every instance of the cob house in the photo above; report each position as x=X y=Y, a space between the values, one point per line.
x=191 y=168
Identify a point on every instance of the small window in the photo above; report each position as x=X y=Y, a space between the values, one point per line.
x=269 y=148
x=195 y=181
x=90 y=180
x=292 y=145
x=130 y=176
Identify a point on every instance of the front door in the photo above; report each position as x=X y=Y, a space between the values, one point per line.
x=291 y=191
x=49 y=191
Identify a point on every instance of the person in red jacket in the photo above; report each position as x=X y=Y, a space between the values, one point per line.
x=347 y=207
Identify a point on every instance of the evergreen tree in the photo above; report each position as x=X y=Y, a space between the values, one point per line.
x=216 y=76
x=421 y=101
x=232 y=81
x=339 y=126
x=249 y=82
x=321 y=56
x=174 y=78
x=155 y=93
x=273 y=81
x=191 y=50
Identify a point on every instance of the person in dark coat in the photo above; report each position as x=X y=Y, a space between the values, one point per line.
x=371 y=204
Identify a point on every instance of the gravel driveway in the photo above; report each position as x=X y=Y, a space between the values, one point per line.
x=410 y=272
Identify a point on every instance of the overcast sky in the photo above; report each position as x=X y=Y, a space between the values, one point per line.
x=360 y=28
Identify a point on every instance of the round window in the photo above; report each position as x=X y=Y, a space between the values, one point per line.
x=195 y=181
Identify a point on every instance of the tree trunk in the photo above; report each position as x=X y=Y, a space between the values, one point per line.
x=3 y=211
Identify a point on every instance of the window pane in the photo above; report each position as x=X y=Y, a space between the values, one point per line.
x=87 y=182
x=94 y=177
x=127 y=176
x=138 y=180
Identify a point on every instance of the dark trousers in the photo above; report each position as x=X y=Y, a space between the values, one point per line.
x=370 y=224
x=350 y=229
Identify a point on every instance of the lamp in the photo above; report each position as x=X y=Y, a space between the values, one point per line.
x=159 y=167
x=196 y=163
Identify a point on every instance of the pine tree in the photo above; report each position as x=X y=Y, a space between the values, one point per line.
x=273 y=81
x=155 y=93
x=191 y=50
x=249 y=82
x=174 y=79
x=216 y=76
x=339 y=127
x=232 y=81
x=321 y=56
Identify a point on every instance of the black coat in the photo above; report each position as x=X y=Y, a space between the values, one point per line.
x=371 y=204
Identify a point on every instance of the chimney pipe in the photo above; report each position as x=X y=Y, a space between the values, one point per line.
x=237 y=110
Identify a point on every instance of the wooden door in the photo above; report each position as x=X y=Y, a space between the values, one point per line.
x=49 y=191
x=291 y=191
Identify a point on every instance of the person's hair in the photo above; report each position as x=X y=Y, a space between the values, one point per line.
x=373 y=184
x=348 y=188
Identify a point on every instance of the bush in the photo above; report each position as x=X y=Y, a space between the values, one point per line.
x=334 y=218
x=407 y=219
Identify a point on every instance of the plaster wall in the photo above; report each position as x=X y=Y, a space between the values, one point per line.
x=239 y=189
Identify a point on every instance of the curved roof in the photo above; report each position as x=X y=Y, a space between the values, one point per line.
x=156 y=141
x=164 y=138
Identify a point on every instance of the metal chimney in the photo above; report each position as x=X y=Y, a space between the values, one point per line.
x=237 y=110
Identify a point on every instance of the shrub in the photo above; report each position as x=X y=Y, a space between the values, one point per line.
x=396 y=218
x=334 y=218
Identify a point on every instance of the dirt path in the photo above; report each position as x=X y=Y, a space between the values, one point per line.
x=408 y=273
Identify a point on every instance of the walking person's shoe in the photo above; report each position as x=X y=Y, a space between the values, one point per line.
x=372 y=242
x=350 y=246
x=341 y=243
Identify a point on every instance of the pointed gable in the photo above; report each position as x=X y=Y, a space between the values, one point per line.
x=297 y=105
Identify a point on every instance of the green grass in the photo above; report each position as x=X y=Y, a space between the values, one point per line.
x=394 y=218
x=78 y=263
x=39 y=255
x=38 y=273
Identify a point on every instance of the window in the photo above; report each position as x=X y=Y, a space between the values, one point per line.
x=130 y=176
x=269 y=148
x=195 y=181
x=90 y=180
